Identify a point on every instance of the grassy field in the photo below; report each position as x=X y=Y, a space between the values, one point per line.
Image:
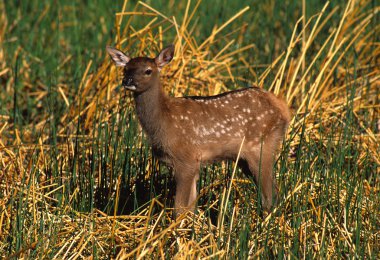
x=77 y=176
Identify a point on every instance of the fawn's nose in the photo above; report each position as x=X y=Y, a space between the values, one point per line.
x=127 y=81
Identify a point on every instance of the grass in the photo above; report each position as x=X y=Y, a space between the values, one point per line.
x=77 y=176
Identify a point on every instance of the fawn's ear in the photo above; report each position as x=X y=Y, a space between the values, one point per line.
x=165 y=56
x=119 y=57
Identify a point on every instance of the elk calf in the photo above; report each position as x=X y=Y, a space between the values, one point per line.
x=190 y=131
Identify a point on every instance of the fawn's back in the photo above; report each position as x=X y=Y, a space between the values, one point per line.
x=212 y=128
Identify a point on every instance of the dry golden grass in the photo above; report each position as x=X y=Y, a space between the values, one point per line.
x=316 y=93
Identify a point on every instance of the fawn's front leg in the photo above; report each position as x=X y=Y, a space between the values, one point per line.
x=186 y=188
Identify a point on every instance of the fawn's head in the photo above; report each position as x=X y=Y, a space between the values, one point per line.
x=141 y=73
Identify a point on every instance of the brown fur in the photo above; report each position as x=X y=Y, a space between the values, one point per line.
x=188 y=132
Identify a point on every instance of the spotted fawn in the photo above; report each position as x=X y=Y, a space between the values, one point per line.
x=188 y=132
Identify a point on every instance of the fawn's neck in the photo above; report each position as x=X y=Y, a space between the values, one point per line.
x=149 y=109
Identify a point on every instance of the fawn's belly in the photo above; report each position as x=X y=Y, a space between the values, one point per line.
x=223 y=150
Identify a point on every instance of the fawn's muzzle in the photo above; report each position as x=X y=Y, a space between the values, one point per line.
x=129 y=84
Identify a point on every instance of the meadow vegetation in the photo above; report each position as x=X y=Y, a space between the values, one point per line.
x=77 y=176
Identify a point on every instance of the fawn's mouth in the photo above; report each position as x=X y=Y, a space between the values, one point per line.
x=130 y=87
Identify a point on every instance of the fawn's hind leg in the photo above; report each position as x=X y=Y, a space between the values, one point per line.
x=259 y=163
x=261 y=168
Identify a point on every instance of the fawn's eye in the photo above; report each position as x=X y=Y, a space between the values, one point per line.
x=148 y=72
